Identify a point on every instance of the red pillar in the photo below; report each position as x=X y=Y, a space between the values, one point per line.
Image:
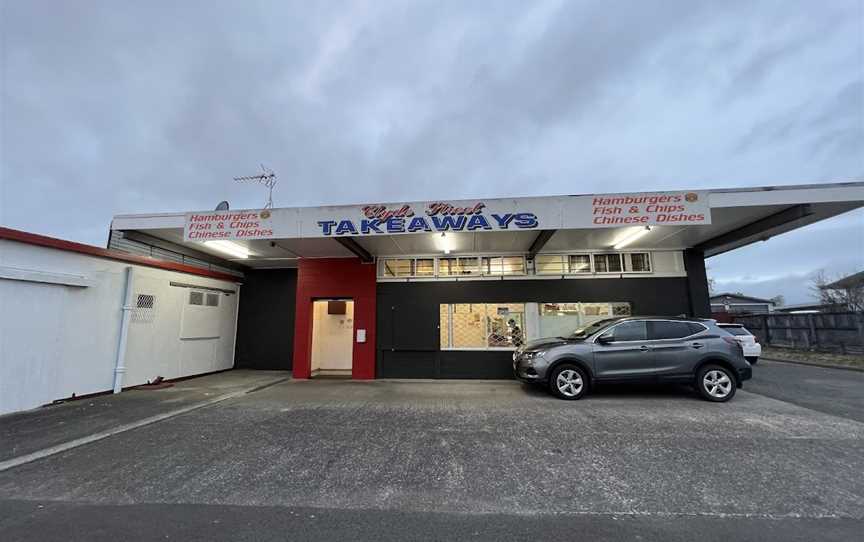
x=332 y=278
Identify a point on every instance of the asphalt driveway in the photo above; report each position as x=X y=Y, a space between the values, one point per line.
x=397 y=460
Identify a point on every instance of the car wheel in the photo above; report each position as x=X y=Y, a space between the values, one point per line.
x=568 y=382
x=752 y=361
x=716 y=383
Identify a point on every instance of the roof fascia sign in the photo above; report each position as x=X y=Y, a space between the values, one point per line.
x=566 y=212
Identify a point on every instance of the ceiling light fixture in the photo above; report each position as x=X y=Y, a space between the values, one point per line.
x=234 y=249
x=444 y=243
x=631 y=237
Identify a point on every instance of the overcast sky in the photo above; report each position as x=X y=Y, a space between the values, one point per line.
x=128 y=107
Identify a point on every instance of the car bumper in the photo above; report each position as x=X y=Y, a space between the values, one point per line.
x=529 y=371
x=753 y=351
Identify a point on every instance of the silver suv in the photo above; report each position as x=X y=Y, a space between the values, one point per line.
x=637 y=349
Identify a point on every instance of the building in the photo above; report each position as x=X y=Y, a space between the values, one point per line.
x=812 y=308
x=447 y=289
x=848 y=292
x=727 y=303
x=79 y=320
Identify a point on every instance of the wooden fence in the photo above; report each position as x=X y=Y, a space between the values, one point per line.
x=831 y=332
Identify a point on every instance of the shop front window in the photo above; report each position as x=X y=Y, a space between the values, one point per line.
x=561 y=319
x=482 y=326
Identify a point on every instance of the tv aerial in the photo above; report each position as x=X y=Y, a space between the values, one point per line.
x=267 y=178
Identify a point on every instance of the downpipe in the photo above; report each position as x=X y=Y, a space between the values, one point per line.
x=120 y=362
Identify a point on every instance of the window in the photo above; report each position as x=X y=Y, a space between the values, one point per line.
x=550 y=264
x=212 y=300
x=638 y=262
x=397 y=268
x=665 y=329
x=407 y=267
x=561 y=264
x=196 y=298
x=580 y=263
x=736 y=330
x=560 y=309
x=561 y=319
x=424 y=267
x=633 y=330
x=514 y=265
x=696 y=328
x=454 y=267
x=503 y=265
x=482 y=325
x=607 y=263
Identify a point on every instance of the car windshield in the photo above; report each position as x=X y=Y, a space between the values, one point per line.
x=736 y=330
x=586 y=331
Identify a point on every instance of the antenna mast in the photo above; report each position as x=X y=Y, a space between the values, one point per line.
x=267 y=178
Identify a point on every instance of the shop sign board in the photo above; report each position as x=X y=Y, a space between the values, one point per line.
x=229 y=225
x=566 y=212
x=615 y=210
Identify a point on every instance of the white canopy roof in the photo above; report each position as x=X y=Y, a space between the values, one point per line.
x=715 y=221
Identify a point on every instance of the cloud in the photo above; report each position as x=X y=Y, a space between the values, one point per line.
x=112 y=108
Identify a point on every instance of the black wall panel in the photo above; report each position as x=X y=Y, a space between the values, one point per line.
x=475 y=364
x=265 y=326
x=407 y=364
x=408 y=317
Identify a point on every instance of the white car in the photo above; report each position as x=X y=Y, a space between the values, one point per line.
x=752 y=348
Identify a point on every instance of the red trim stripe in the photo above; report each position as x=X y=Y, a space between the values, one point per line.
x=90 y=250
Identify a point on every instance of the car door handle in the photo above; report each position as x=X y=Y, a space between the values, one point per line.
x=697 y=345
x=644 y=348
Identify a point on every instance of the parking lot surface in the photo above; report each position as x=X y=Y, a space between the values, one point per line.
x=439 y=460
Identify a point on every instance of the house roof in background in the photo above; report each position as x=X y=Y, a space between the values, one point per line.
x=740 y=296
x=851 y=281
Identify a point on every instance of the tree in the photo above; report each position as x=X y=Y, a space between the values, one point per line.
x=778 y=300
x=851 y=297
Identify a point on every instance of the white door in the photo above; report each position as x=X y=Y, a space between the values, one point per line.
x=332 y=336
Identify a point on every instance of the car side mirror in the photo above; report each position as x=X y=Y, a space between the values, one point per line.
x=605 y=339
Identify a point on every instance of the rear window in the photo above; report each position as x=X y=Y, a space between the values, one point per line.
x=669 y=330
x=737 y=331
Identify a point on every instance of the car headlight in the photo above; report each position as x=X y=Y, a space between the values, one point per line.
x=528 y=356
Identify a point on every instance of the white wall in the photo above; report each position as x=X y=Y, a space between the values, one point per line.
x=57 y=340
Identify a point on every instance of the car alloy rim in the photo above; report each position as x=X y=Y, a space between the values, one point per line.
x=717 y=383
x=569 y=383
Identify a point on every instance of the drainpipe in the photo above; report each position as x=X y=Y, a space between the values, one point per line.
x=120 y=364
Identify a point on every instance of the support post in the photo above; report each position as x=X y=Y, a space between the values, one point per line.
x=697 y=283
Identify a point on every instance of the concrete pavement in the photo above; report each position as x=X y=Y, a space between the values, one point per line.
x=42 y=428
x=832 y=391
x=451 y=460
